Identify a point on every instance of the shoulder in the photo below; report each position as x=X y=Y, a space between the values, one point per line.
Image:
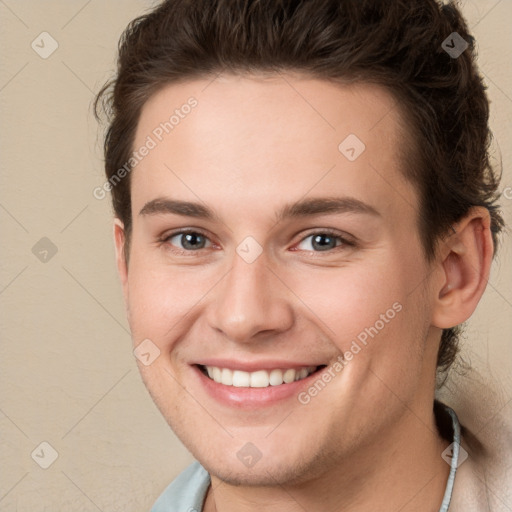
x=483 y=481
x=471 y=492
x=187 y=491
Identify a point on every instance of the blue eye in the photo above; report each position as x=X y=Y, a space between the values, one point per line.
x=322 y=241
x=189 y=240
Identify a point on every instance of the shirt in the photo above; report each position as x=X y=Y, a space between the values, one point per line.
x=187 y=492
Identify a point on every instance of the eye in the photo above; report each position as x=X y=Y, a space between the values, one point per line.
x=188 y=240
x=322 y=241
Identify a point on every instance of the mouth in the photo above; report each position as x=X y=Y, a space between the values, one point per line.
x=258 y=379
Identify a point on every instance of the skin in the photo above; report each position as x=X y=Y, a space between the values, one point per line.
x=368 y=440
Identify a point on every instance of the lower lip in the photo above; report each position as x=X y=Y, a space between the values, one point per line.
x=253 y=398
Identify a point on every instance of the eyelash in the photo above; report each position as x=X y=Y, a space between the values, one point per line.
x=327 y=231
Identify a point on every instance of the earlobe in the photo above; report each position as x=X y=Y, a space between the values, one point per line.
x=464 y=265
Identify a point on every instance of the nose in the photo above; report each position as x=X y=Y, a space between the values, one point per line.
x=251 y=302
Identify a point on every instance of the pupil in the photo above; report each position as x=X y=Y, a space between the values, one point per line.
x=191 y=241
x=323 y=242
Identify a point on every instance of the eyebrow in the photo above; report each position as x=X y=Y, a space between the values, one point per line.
x=301 y=208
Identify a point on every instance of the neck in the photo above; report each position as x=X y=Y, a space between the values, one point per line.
x=402 y=470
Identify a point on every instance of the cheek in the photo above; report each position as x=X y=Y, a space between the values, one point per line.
x=378 y=326
x=368 y=313
x=348 y=300
x=162 y=299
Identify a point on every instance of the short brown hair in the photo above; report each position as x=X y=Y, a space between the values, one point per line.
x=393 y=43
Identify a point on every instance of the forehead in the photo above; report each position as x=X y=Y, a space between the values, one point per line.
x=269 y=137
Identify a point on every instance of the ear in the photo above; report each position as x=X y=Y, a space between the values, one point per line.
x=464 y=265
x=121 y=262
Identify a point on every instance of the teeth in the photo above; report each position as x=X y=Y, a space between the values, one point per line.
x=257 y=379
x=275 y=377
x=301 y=374
x=217 y=374
x=241 y=379
x=226 y=377
x=289 y=375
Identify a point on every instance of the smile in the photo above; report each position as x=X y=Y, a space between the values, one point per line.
x=258 y=378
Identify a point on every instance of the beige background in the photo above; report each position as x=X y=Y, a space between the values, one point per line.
x=67 y=373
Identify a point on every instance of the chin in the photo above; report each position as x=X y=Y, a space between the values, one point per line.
x=286 y=465
x=261 y=475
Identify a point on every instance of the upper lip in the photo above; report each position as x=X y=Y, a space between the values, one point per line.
x=251 y=366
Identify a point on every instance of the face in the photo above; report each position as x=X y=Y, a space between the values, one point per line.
x=276 y=275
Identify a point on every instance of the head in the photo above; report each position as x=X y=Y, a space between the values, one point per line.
x=338 y=160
